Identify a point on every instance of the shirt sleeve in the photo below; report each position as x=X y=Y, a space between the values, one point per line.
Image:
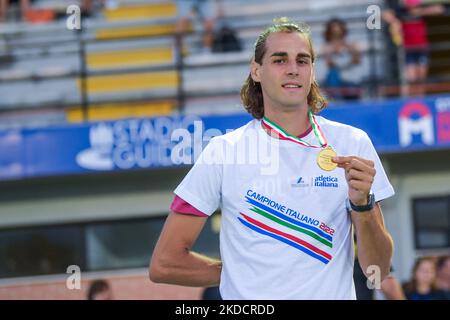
x=202 y=186
x=181 y=206
x=381 y=186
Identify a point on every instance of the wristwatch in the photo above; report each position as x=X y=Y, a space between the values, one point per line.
x=369 y=206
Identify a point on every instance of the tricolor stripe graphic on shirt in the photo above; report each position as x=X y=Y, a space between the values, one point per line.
x=286 y=238
x=292 y=226
x=280 y=215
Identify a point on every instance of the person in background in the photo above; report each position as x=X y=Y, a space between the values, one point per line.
x=226 y=40
x=443 y=276
x=422 y=285
x=203 y=12
x=341 y=57
x=100 y=290
x=211 y=293
x=88 y=7
x=408 y=28
x=28 y=13
x=392 y=289
x=390 y=286
x=25 y=5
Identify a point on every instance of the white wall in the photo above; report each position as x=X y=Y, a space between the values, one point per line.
x=84 y=208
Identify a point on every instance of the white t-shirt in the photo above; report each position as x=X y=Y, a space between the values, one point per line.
x=285 y=231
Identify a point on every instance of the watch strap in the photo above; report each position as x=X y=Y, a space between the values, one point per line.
x=369 y=206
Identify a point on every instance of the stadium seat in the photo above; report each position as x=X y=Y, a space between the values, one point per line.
x=121 y=111
x=131 y=81
x=140 y=11
x=130 y=57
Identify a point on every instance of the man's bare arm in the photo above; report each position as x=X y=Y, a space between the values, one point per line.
x=173 y=261
x=375 y=245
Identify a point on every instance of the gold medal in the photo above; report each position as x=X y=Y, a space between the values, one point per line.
x=324 y=159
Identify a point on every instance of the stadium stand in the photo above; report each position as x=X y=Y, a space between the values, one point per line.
x=126 y=56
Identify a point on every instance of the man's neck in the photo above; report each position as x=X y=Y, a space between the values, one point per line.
x=294 y=122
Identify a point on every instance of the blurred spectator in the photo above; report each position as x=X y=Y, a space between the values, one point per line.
x=226 y=40
x=100 y=290
x=25 y=5
x=87 y=7
x=5 y=52
x=90 y=7
x=45 y=14
x=341 y=58
x=422 y=284
x=211 y=293
x=392 y=289
x=408 y=27
x=443 y=276
x=203 y=12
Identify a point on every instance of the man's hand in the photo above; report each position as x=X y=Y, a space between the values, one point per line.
x=359 y=173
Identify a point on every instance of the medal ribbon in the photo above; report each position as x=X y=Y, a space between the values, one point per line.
x=286 y=136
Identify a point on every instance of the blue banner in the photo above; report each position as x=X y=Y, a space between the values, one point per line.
x=394 y=126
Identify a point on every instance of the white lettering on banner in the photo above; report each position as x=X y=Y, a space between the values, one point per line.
x=442 y=104
x=164 y=141
x=198 y=143
x=409 y=127
x=98 y=157
x=142 y=155
x=132 y=143
x=163 y=129
x=421 y=124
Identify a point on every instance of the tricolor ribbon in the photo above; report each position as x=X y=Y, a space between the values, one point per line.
x=286 y=136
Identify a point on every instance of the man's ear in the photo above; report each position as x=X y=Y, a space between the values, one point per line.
x=255 y=71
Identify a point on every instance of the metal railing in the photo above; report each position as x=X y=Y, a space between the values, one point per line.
x=85 y=37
